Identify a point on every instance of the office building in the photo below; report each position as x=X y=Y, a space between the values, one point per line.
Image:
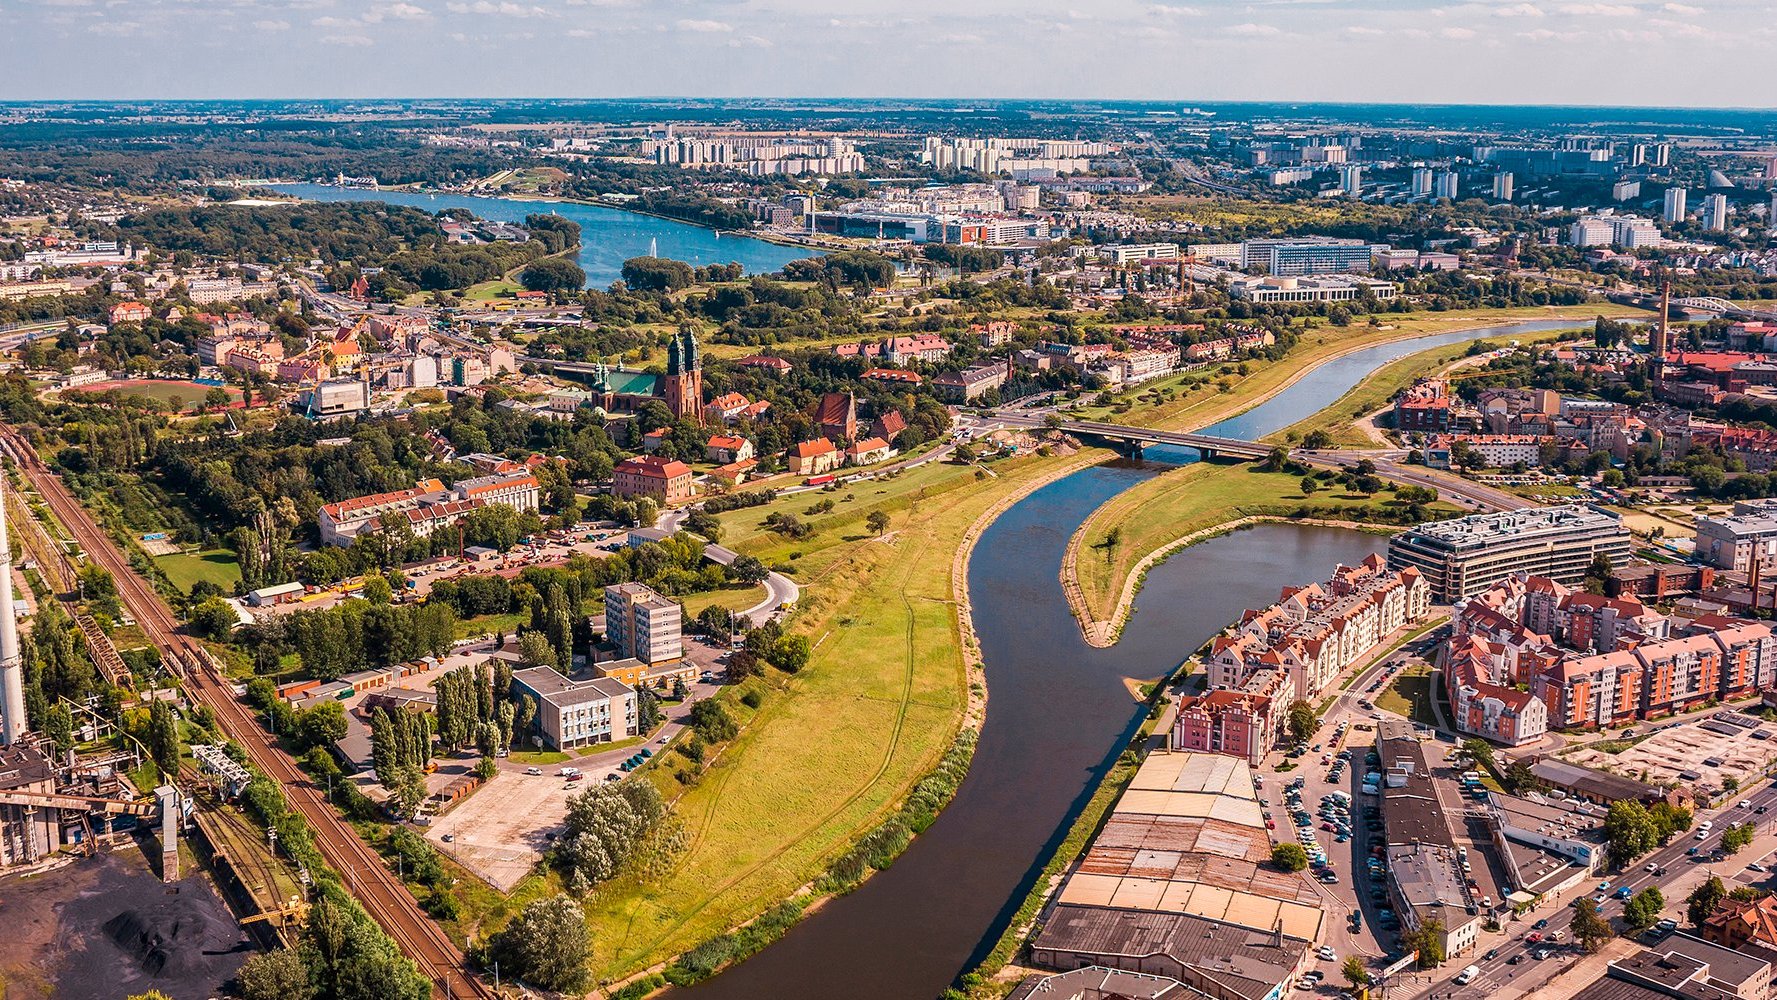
x=1502 y=187
x=642 y=624
x=1738 y=540
x=577 y=713
x=1591 y=231
x=1466 y=555
x=1421 y=182
x=1674 y=206
x=663 y=480
x=1445 y=185
x=1625 y=190
x=341 y=522
x=1306 y=256
x=1715 y=212
x=1316 y=288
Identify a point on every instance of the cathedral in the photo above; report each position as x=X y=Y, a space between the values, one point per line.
x=683 y=387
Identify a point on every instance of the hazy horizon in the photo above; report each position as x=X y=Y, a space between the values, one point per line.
x=1479 y=52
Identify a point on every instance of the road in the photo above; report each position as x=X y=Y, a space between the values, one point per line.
x=382 y=894
x=1448 y=486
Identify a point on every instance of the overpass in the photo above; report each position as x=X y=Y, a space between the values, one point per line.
x=1138 y=437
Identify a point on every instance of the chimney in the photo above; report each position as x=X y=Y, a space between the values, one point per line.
x=12 y=672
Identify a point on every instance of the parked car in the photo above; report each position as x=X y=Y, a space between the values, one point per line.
x=533 y=771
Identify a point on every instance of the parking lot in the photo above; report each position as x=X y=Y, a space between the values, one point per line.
x=1701 y=754
x=501 y=831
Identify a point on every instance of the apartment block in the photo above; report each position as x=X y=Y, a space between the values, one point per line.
x=1463 y=556
x=642 y=624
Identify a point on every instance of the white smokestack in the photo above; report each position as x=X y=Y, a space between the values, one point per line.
x=12 y=670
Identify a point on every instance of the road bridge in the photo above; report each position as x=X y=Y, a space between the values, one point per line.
x=1210 y=445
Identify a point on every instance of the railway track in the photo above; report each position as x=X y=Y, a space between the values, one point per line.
x=377 y=888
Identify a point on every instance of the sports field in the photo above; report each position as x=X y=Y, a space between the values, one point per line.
x=189 y=395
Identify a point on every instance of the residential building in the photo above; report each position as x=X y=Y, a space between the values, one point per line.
x=813 y=458
x=1739 y=922
x=1502 y=187
x=1283 y=257
x=1495 y=451
x=667 y=481
x=642 y=624
x=724 y=449
x=1226 y=722
x=1715 y=212
x=578 y=713
x=1682 y=966
x=1446 y=185
x=129 y=312
x=1421 y=187
x=1296 y=647
x=970 y=383
x=867 y=451
x=1424 y=408
x=518 y=490
x=341 y=522
x=1463 y=556
x=1673 y=210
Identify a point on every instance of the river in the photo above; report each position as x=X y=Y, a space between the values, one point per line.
x=1059 y=712
x=608 y=236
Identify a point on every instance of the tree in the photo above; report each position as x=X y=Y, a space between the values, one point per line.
x=1428 y=940
x=1276 y=459
x=748 y=569
x=877 y=521
x=1479 y=751
x=545 y=945
x=213 y=618
x=1629 y=832
x=276 y=975
x=552 y=274
x=408 y=791
x=1644 y=908
x=535 y=650
x=322 y=724
x=163 y=737
x=792 y=653
x=1590 y=928
x=712 y=721
x=1355 y=972
x=377 y=589
x=1704 y=899
x=1308 y=485
x=1737 y=837
x=1289 y=856
x=1302 y=719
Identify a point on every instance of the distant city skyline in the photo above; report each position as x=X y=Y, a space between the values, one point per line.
x=1707 y=53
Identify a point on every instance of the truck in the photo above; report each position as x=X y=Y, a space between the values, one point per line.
x=1467 y=975
x=820 y=480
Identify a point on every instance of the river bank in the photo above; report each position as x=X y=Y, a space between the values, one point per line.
x=1156 y=520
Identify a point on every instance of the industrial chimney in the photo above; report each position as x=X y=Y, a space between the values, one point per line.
x=12 y=670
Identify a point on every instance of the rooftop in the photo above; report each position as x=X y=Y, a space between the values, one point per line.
x=1480 y=530
x=557 y=690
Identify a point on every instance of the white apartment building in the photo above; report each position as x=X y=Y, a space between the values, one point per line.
x=642 y=624
x=518 y=490
x=1715 y=212
x=1674 y=206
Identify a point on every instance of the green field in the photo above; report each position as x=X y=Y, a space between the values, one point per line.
x=1158 y=512
x=1409 y=695
x=734 y=597
x=832 y=749
x=186 y=393
x=215 y=565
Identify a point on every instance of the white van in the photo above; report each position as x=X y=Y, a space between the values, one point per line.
x=1467 y=975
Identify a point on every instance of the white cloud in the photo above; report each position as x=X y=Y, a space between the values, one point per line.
x=1683 y=8
x=1457 y=33
x=121 y=29
x=272 y=25
x=958 y=38
x=504 y=9
x=406 y=12
x=1519 y=10
x=348 y=41
x=1170 y=10
x=749 y=42
x=1252 y=30
x=1364 y=30
x=1599 y=10
x=703 y=26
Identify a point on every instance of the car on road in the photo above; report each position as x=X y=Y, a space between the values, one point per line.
x=1701 y=834
x=1604 y=886
x=1492 y=953
x=1326 y=953
x=1533 y=937
x=1651 y=868
x=1624 y=892
x=533 y=771
x=1746 y=803
x=1756 y=867
x=1542 y=953
x=1540 y=924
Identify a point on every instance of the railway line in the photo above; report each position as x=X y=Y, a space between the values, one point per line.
x=377 y=888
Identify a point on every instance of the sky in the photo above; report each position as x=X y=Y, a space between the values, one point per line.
x=1668 y=53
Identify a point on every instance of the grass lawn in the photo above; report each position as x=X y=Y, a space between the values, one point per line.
x=1156 y=513
x=734 y=597
x=1409 y=695
x=468 y=628
x=1379 y=387
x=488 y=291
x=528 y=757
x=215 y=565
x=831 y=750
x=1206 y=404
